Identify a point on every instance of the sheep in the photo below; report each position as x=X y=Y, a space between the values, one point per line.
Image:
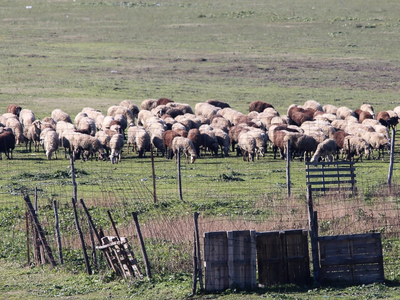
x=382 y=129
x=259 y=106
x=261 y=139
x=247 y=145
x=96 y=115
x=156 y=136
x=81 y=142
x=197 y=122
x=16 y=128
x=223 y=141
x=86 y=125
x=330 y=109
x=378 y=142
x=168 y=137
x=148 y=104
x=368 y=108
x=300 y=115
x=371 y=122
x=143 y=116
x=363 y=115
x=133 y=107
x=116 y=145
x=325 y=150
x=59 y=115
x=178 y=108
x=139 y=138
x=122 y=121
x=26 y=117
x=343 y=112
x=48 y=122
x=104 y=139
x=271 y=111
x=209 y=140
x=115 y=110
x=354 y=145
x=107 y=122
x=195 y=136
x=278 y=142
x=205 y=110
x=78 y=117
x=184 y=145
x=313 y=104
x=233 y=116
x=50 y=143
x=32 y=135
x=169 y=121
x=397 y=110
x=62 y=127
x=188 y=123
x=384 y=118
x=163 y=101
x=253 y=114
x=14 y=109
x=218 y=103
x=7 y=143
x=338 y=137
x=300 y=144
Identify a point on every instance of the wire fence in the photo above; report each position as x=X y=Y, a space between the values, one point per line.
x=229 y=194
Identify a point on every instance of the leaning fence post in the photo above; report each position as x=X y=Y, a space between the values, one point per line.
x=75 y=189
x=27 y=238
x=78 y=228
x=144 y=253
x=312 y=217
x=196 y=230
x=57 y=230
x=153 y=174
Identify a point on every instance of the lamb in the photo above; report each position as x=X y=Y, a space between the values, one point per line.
x=115 y=110
x=14 y=109
x=116 y=145
x=354 y=145
x=32 y=135
x=218 y=103
x=148 y=104
x=184 y=145
x=259 y=106
x=59 y=115
x=133 y=107
x=7 y=143
x=247 y=145
x=139 y=138
x=16 y=128
x=50 y=143
x=26 y=117
x=325 y=150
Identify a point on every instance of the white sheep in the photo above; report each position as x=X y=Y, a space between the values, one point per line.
x=133 y=107
x=26 y=117
x=223 y=140
x=355 y=145
x=116 y=145
x=16 y=127
x=343 y=112
x=32 y=135
x=378 y=142
x=50 y=143
x=247 y=145
x=59 y=115
x=330 y=109
x=115 y=109
x=185 y=146
x=139 y=138
x=368 y=108
x=148 y=104
x=104 y=139
x=261 y=139
x=325 y=150
x=206 y=110
x=313 y=104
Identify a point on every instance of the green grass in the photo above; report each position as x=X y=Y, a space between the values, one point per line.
x=75 y=54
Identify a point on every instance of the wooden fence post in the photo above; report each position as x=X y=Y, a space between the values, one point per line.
x=313 y=223
x=27 y=238
x=179 y=174
x=78 y=228
x=389 y=180
x=141 y=241
x=75 y=189
x=288 y=168
x=153 y=174
x=57 y=230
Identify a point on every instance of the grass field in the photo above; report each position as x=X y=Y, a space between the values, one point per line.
x=75 y=54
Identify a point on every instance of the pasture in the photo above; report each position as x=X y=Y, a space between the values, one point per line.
x=76 y=54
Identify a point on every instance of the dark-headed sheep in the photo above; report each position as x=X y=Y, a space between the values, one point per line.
x=7 y=143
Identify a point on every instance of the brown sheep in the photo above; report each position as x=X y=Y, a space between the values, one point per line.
x=7 y=143
x=279 y=143
x=14 y=109
x=259 y=106
x=195 y=136
x=384 y=118
x=168 y=137
x=163 y=101
x=218 y=103
x=339 y=137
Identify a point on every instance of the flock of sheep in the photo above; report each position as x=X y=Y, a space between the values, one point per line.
x=312 y=131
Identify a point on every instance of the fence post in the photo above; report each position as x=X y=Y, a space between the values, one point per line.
x=144 y=253
x=57 y=229
x=179 y=174
x=153 y=173
x=27 y=238
x=288 y=168
x=313 y=223
x=389 y=181
x=197 y=248
x=78 y=228
x=75 y=189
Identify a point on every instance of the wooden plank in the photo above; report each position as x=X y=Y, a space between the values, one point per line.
x=362 y=236
x=327 y=170
x=335 y=163
x=331 y=176
x=216 y=251
x=333 y=182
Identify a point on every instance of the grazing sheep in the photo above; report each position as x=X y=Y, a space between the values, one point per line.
x=50 y=143
x=364 y=115
x=325 y=150
x=79 y=116
x=382 y=129
x=218 y=103
x=223 y=141
x=148 y=104
x=14 y=109
x=185 y=146
x=84 y=143
x=205 y=110
x=86 y=125
x=209 y=140
x=168 y=137
x=195 y=136
x=104 y=139
x=16 y=128
x=163 y=101
x=259 y=106
x=378 y=142
x=261 y=139
x=300 y=145
x=233 y=116
x=156 y=136
x=48 y=122
x=32 y=135
x=197 y=122
x=116 y=145
x=59 y=115
x=143 y=116
x=384 y=118
x=368 y=108
x=371 y=122
x=343 y=112
x=116 y=110
x=354 y=145
x=139 y=138
x=178 y=108
x=247 y=145
x=299 y=115
x=26 y=117
x=338 y=137
x=7 y=143
x=188 y=123
x=133 y=107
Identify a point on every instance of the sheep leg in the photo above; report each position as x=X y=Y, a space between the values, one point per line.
x=127 y=148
